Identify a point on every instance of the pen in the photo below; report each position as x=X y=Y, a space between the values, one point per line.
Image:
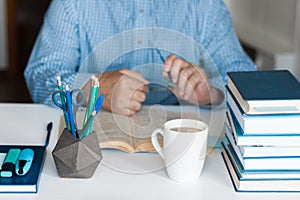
x=63 y=102
x=87 y=128
x=99 y=103
x=92 y=99
x=70 y=111
x=97 y=107
x=171 y=84
x=49 y=129
x=97 y=85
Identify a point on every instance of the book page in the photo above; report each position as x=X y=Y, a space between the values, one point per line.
x=147 y=120
x=113 y=130
x=133 y=133
x=143 y=123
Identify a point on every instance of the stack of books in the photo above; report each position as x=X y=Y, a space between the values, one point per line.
x=261 y=147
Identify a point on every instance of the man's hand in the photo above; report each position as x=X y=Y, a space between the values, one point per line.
x=124 y=91
x=192 y=83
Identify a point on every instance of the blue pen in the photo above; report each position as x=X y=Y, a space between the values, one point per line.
x=70 y=111
x=99 y=103
x=63 y=103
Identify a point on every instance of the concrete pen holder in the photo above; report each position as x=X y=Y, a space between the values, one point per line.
x=76 y=158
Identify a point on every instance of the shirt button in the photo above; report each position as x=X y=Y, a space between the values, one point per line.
x=141 y=10
x=140 y=42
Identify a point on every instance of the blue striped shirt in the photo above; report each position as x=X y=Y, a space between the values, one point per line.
x=83 y=37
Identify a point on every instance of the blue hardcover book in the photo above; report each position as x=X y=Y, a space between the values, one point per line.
x=283 y=163
x=242 y=139
x=258 y=184
x=263 y=124
x=267 y=163
x=257 y=173
x=265 y=92
x=255 y=151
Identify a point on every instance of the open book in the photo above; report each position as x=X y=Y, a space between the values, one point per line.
x=131 y=134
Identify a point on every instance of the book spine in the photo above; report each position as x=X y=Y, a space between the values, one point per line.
x=269 y=140
x=291 y=163
x=265 y=124
x=235 y=92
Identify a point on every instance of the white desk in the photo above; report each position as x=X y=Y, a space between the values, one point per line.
x=124 y=176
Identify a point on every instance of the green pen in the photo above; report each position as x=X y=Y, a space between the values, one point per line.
x=87 y=126
x=63 y=102
x=96 y=82
x=92 y=100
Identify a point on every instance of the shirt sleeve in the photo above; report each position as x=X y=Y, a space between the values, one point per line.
x=56 y=52
x=221 y=42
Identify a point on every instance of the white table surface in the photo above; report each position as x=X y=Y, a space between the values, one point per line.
x=124 y=176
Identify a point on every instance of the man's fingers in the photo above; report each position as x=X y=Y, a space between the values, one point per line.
x=186 y=72
x=134 y=75
x=143 y=89
x=169 y=62
x=125 y=111
x=134 y=105
x=178 y=66
x=190 y=88
x=138 y=96
x=134 y=80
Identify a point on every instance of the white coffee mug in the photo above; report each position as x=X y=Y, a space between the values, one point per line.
x=184 y=148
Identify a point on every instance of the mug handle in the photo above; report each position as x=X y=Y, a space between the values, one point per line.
x=155 y=142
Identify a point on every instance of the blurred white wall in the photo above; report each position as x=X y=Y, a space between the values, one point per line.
x=272 y=28
x=297 y=38
x=3 y=36
x=273 y=17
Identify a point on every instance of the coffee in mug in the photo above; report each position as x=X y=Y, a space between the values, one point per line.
x=184 y=148
x=186 y=129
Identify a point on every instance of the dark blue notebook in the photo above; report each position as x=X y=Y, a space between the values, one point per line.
x=29 y=182
x=263 y=92
x=22 y=178
x=266 y=85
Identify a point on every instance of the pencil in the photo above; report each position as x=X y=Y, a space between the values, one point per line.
x=171 y=84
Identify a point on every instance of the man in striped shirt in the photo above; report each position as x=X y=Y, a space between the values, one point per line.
x=131 y=44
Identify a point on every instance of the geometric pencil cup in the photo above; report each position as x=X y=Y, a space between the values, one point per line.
x=76 y=158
